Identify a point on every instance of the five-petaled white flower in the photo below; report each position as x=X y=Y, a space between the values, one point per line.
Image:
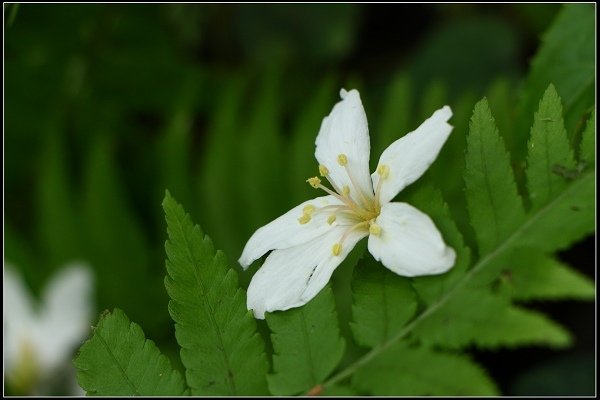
x=39 y=340
x=312 y=239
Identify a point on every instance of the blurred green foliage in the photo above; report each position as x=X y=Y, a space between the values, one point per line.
x=107 y=105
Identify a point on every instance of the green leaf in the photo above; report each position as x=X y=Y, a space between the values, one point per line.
x=492 y=199
x=588 y=141
x=549 y=151
x=339 y=391
x=307 y=345
x=220 y=348
x=564 y=220
x=119 y=361
x=566 y=58
x=478 y=317
x=403 y=371
x=383 y=303
x=535 y=276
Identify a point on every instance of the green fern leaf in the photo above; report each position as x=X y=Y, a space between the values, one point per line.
x=383 y=303
x=549 y=151
x=566 y=219
x=403 y=371
x=220 y=348
x=478 y=317
x=494 y=205
x=587 y=149
x=567 y=59
x=307 y=345
x=535 y=276
x=119 y=361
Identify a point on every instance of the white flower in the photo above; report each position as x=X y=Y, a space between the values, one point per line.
x=312 y=239
x=39 y=340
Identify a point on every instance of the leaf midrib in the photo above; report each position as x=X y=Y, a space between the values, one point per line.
x=204 y=300
x=348 y=371
x=488 y=187
x=116 y=361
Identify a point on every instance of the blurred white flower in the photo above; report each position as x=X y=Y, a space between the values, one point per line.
x=312 y=239
x=40 y=339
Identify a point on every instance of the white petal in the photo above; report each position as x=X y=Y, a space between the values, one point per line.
x=287 y=231
x=292 y=277
x=409 y=243
x=19 y=316
x=66 y=313
x=410 y=156
x=345 y=131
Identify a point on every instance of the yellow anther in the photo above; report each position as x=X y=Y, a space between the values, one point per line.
x=314 y=182
x=383 y=171
x=308 y=209
x=375 y=229
x=331 y=219
x=346 y=190
x=342 y=159
x=323 y=170
x=336 y=249
x=304 y=219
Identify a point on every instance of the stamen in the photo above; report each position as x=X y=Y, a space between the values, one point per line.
x=343 y=161
x=323 y=170
x=383 y=171
x=308 y=209
x=354 y=227
x=331 y=219
x=346 y=200
x=336 y=249
x=314 y=182
x=305 y=218
x=374 y=229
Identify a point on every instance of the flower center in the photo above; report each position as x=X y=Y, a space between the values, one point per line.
x=357 y=212
x=26 y=370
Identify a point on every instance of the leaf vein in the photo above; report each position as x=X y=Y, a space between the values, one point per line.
x=114 y=358
x=207 y=304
